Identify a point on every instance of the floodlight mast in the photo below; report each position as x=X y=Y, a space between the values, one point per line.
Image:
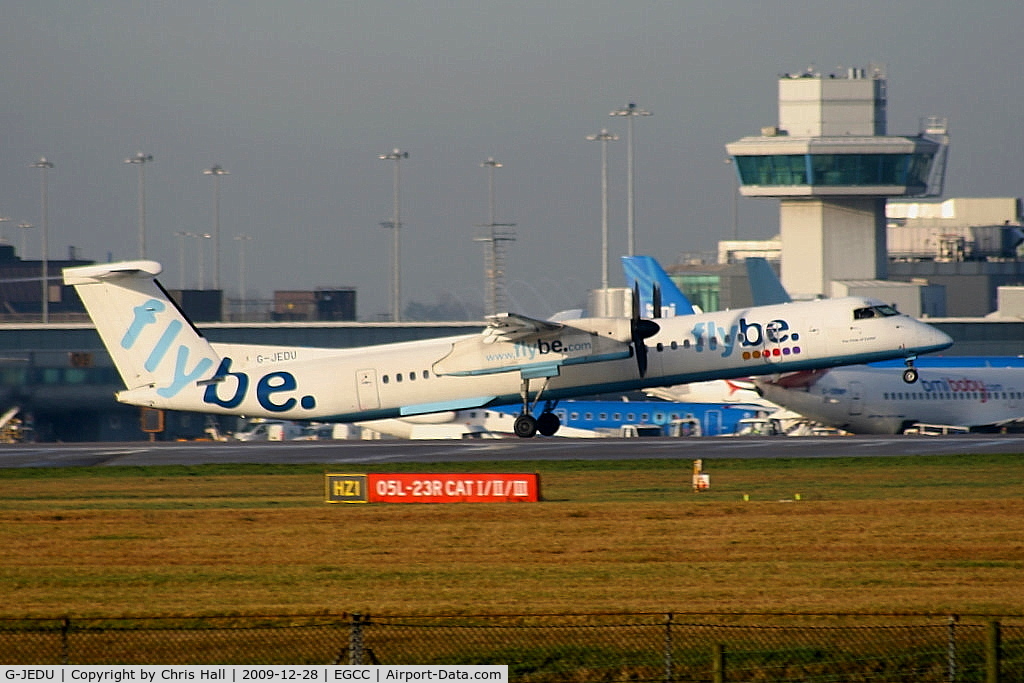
x=630 y=111
x=396 y=155
x=141 y=159
x=494 y=249
x=45 y=167
x=604 y=137
x=216 y=172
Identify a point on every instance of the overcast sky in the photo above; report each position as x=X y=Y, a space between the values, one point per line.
x=297 y=100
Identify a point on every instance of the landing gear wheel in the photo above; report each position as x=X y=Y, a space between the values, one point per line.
x=548 y=424
x=910 y=375
x=525 y=426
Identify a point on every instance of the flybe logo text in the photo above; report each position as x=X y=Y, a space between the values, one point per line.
x=274 y=391
x=185 y=370
x=748 y=335
x=531 y=350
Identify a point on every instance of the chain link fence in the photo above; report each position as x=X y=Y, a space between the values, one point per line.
x=571 y=648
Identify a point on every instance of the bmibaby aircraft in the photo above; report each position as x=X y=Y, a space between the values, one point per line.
x=166 y=363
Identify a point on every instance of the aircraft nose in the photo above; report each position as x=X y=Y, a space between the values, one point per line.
x=933 y=339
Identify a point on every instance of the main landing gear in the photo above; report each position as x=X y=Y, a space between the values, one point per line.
x=910 y=375
x=526 y=425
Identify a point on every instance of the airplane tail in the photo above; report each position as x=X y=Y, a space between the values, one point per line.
x=765 y=286
x=155 y=347
x=647 y=272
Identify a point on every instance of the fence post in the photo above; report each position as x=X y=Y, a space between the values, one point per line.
x=992 y=652
x=951 y=649
x=718 y=663
x=65 y=650
x=355 y=640
x=668 y=647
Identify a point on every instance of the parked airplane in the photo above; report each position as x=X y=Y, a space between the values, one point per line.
x=971 y=392
x=962 y=391
x=166 y=363
x=615 y=418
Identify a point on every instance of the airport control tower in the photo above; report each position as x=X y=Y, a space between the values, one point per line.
x=832 y=165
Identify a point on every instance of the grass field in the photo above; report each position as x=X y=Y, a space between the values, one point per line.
x=922 y=534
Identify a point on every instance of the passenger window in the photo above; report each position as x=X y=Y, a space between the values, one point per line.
x=398 y=377
x=385 y=379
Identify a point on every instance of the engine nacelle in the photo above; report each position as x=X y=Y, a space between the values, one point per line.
x=618 y=329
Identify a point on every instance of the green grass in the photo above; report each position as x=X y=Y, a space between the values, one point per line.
x=931 y=533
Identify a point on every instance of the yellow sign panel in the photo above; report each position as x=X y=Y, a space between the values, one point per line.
x=345 y=488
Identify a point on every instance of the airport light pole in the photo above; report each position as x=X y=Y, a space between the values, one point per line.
x=3 y=219
x=25 y=227
x=396 y=155
x=45 y=167
x=494 y=251
x=241 y=239
x=216 y=172
x=604 y=137
x=630 y=111
x=141 y=159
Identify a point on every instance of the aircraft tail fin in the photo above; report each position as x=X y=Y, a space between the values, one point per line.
x=765 y=286
x=155 y=347
x=646 y=272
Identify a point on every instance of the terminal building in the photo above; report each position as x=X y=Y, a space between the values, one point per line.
x=859 y=214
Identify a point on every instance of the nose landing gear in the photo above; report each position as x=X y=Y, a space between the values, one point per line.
x=910 y=375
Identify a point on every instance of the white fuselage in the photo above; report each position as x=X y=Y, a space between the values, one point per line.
x=874 y=400
x=410 y=378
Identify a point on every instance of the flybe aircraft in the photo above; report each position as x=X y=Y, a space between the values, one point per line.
x=166 y=362
x=970 y=392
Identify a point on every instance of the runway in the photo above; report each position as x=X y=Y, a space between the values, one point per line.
x=353 y=453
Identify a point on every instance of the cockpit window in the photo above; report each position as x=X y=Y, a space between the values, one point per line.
x=883 y=311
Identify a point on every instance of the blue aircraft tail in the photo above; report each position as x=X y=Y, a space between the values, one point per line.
x=646 y=272
x=765 y=286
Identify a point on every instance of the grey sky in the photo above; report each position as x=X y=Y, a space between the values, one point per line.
x=297 y=100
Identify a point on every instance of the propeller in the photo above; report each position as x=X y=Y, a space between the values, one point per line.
x=642 y=328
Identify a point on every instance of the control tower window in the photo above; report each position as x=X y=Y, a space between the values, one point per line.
x=836 y=170
x=783 y=169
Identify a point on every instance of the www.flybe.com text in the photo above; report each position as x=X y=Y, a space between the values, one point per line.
x=531 y=350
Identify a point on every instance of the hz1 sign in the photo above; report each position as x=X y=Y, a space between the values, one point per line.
x=432 y=488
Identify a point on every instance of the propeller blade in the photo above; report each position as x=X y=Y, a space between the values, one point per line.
x=640 y=329
x=656 y=301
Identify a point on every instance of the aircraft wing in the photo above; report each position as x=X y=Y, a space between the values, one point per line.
x=511 y=327
x=536 y=348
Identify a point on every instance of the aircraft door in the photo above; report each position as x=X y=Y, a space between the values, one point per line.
x=712 y=422
x=856 y=398
x=366 y=389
